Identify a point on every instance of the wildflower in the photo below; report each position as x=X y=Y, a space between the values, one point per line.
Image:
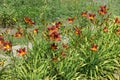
x=53 y=46
x=84 y=14
x=65 y=46
x=70 y=20
x=105 y=29
x=63 y=54
x=91 y=16
x=55 y=36
x=102 y=10
x=7 y=46
x=58 y=24
x=54 y=59
x=1 y=40
x=52 y=29
x=117 y=21
x=118 y=31
x=77 y=30
x=35 y=31
x=18 y=34
x=94 y=47
x=29 y=21
x=22 y=51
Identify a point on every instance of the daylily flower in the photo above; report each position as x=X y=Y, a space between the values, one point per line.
x=58 y=24
x=117 y=21
x=35 y=31
x=54 y=59
x=18 y=34
x=91 y=16
x=7 y=46
x=22 y=51
x=118 y=31
x=1 y=40
x=70 y=20
x=84 y=14
x=52 y=29
x=29 y=21
x=94 y=47
x=105 y=29
x=63 y=54
x=77 y=30
x=55 y=36
x=53 y=46
x=65 y=46
x=102 y=10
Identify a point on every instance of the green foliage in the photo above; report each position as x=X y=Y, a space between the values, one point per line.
x=76 y=62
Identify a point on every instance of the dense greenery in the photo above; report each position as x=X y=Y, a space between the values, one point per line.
x=66 y=45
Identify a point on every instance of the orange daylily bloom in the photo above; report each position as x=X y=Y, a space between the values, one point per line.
x=84 y=14
x=18 y=34
x=53 y=46
x=35 y=31
x=7 y=46
x=54 y=59
x=105 y=29
x=1 y=40
x=103 y=7
x=55 y=36
x=94 y=47
x=58 y=24
x=117 y=21
x=52 y=29
x=77 y=30
x=70 y=20
x=118 y=31
x=29 y=21
x=91 y=16
x=65 y=46
x=102 y=10
x=63 y=54
x=22 y=51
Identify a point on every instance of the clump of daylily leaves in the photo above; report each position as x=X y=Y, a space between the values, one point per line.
x=61 y=52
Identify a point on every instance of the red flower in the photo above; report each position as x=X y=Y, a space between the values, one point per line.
x=21 y=51
x=18 y=34
x=118 y=31
x=53 y=46
x=29 y=21
x=102 y=10
x=94 y=47
x=91 y=16
x=52 y=29
x=7 y=46
x=58 y=24
x=54 y=59
x=84 y=14
x=35 y=31
x=63 y=54
x=65 y=46
x=1 y=40
x=77 y=30
x=117 y=21
x=70 y=20
x=105 y=29
x=55 y=36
